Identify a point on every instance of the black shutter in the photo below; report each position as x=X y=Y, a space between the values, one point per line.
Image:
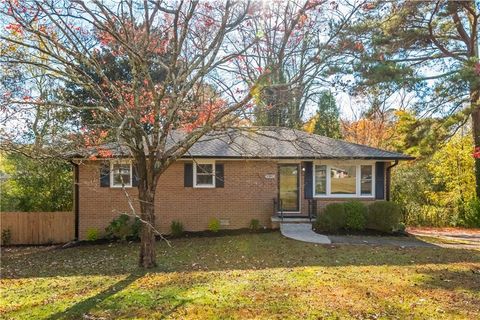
x=188 y=175
x=105 y=175
x=135 y=177
x=380 y=180
x=219 y=176
x=308 y=180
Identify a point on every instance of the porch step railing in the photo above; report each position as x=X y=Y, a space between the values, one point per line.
x=278 y=208
x=312 y=209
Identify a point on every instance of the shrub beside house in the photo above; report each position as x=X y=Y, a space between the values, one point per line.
x=380 y=216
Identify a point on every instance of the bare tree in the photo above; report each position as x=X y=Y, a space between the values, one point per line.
x=295 y=49
x=187 y=40
x=177 y=78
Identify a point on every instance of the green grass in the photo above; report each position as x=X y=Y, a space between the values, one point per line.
x=261 y=276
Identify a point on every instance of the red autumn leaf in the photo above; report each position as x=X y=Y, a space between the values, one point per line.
x=476 y=153
x=105 y=153
x=368 y=6
x=358 y=46
x=477 y=68
x=15 y=28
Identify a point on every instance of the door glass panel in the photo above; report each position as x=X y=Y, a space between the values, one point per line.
x=288 y=185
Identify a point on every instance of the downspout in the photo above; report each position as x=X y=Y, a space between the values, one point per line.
x=76 y=192
x=389 y=168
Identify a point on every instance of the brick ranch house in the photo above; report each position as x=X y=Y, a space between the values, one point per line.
x=266 y=173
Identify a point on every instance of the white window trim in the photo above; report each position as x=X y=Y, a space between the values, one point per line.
x=197 y=162
x=111 y=173
x=358 y=178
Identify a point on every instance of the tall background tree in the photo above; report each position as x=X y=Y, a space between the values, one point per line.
x=327 y=118
x=428 y=47
x=294 y=51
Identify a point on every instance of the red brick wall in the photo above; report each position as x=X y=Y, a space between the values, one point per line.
x=247 y=195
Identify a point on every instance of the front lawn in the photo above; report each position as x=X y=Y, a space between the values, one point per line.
x=259 y=276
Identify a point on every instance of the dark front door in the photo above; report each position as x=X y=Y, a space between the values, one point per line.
x=288 y=186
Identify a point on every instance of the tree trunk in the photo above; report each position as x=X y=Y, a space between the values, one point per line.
x=147 y=233
x=475 y=103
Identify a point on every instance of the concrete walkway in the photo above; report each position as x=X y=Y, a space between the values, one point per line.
x=303 y=232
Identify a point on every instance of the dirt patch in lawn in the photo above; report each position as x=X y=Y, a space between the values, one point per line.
x=450 y=231
x=449 y=237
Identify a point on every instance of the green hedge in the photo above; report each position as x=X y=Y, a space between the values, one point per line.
x=353 y=215
x=332 y=218
x=384 y=216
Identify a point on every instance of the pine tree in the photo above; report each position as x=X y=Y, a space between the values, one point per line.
x=428 y=47
x=328 y=117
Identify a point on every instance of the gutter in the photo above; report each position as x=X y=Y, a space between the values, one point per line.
x=76 y=202
x=389 y=169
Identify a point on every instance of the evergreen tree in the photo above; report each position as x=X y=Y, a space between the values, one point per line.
x=328 y=117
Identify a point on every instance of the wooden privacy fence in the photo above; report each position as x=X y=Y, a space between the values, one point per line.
x=38 y=227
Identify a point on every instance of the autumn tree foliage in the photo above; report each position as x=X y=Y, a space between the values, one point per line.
x=167 y=56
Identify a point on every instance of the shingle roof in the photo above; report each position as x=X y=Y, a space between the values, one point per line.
x=273 y=143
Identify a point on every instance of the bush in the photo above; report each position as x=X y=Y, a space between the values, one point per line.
x=214 y=225
x=254 y=225
x=122 y=227
x=92 y=234
x=6 y=236
x=470 y=214
x=401 y=227
x=176 y=228
x=332 y=218
x=136 y=227
x=384 y=216
x=46 y=187
x=355 y=215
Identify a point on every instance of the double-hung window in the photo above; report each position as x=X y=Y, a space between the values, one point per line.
x=204 y=175
x=321 y=179
x=120 y=174
x=366 y=180
x=347 y=179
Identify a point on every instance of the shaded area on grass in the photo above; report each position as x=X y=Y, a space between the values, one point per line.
x=223 y=253
x=81 y=308
x=452 y=279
